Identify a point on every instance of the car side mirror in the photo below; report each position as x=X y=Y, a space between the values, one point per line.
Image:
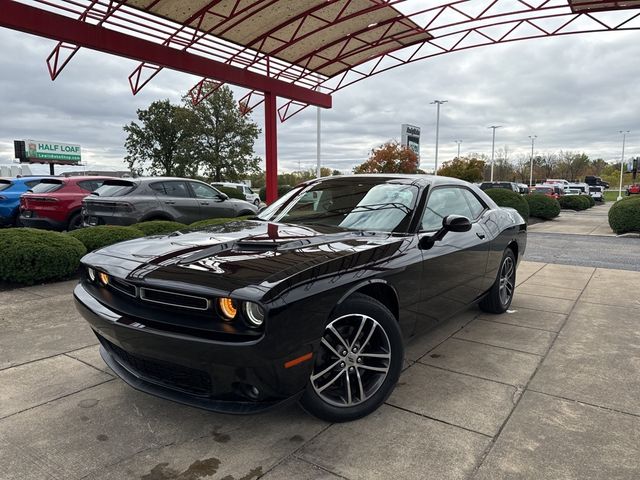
x=450 y=223
x=456 y=223
x=221 y=197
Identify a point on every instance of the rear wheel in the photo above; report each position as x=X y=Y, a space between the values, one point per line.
x=358 y=363
x=75 y=222
x=499 y=298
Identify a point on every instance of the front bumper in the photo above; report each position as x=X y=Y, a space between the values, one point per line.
x=213 y=375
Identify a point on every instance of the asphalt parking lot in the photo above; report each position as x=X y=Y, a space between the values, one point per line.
x=583 y=239
x=549 y=390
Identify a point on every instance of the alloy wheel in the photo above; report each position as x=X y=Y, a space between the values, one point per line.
x=507 y=277
x=353 y=361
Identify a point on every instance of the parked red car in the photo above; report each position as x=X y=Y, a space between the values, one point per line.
x=633 y=189
x=551 y=191
x=55 y=203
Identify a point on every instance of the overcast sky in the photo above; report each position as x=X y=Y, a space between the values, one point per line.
x=575 y=93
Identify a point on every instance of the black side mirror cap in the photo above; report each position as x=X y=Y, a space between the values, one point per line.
x=456 y=223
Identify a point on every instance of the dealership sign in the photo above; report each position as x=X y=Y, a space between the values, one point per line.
x=410 y=137
x=36 y=151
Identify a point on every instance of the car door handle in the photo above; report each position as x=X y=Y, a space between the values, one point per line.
x=481 y=236
x=204 y=203
x=169 y=203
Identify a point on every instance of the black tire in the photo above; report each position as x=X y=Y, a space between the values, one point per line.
x=256 y=202
x=494 y=301
x=361 y=319
x=246 y=213
x=75 y=222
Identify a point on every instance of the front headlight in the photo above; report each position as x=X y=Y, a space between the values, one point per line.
x=91 y=273
x=254 y=313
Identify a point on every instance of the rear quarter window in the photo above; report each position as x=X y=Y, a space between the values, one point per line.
x=4 y=184
x=47 y=186
x=115 y=189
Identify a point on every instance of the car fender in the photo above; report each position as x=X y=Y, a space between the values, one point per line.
x=360 y=285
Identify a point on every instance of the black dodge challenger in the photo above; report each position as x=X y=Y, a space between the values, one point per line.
x=311 y=300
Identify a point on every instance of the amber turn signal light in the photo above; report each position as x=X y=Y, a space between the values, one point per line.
x=104 y=278
x=228 y=308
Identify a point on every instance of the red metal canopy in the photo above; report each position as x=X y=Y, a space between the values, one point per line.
x=302 y=50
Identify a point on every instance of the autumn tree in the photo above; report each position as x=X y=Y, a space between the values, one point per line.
x=465 y=168
x=390 y=157
x=225 y=137
x=162 y=143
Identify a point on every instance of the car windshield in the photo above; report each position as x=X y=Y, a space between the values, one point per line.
x=4 y=184
x=363 y=204
x=46 y=186
x=543 y=190
x=114 y=188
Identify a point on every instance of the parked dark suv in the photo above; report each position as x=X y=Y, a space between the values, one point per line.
x=506 y=185
x=128 y=201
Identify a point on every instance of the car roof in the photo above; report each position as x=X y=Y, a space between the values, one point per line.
x=418 y=179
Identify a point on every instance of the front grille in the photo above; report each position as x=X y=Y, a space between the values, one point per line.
x=123 y=286
x=174 y=299
x=170 y=375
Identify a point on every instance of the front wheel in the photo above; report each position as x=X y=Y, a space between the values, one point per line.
x=499 y=298
x=358 y=363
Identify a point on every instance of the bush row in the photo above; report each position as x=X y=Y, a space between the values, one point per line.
x=541 y=206
x=576 y=202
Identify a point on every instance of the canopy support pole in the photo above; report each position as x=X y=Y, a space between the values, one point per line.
x=271 y=145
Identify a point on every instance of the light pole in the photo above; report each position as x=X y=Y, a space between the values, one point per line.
x=624 y=139
x=458 y=142
x=437 y=103
x=533 y=139
x=493 y=146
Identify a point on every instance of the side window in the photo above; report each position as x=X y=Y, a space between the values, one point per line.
x=247 y=191
x=32 y=183
x=171 y=189
x=203 y=191
x=476 y=206
x=442 y=202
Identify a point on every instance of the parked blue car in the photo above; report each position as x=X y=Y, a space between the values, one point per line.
x=10 y=191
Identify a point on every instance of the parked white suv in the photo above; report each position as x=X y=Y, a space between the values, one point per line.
x=249 y=196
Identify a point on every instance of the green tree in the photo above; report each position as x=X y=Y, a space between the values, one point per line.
x=225 y=137
x=162 y=143
x=464 y=168
x=390 y=157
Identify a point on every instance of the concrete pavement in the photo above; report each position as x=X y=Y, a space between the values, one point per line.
x=548 y=390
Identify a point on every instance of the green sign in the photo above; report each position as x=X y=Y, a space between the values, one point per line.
x=52 y=152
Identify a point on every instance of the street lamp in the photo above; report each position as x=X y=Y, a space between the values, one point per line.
x=624 y=139
x=458 y=142
x=493 y=146
x=533 y=139
x=437 y=103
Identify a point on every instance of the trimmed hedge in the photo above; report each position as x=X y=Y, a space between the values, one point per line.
x=209 y=222
x=30 y=255
x=574 y=202
x=592 y=202
x=624 y=215
x=508 y=198
x=159 y=227
x=541 y=206
x=232 y=192
x=282 y=189
x=94 y=238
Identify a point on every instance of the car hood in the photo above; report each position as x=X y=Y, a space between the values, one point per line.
x=264 y=257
